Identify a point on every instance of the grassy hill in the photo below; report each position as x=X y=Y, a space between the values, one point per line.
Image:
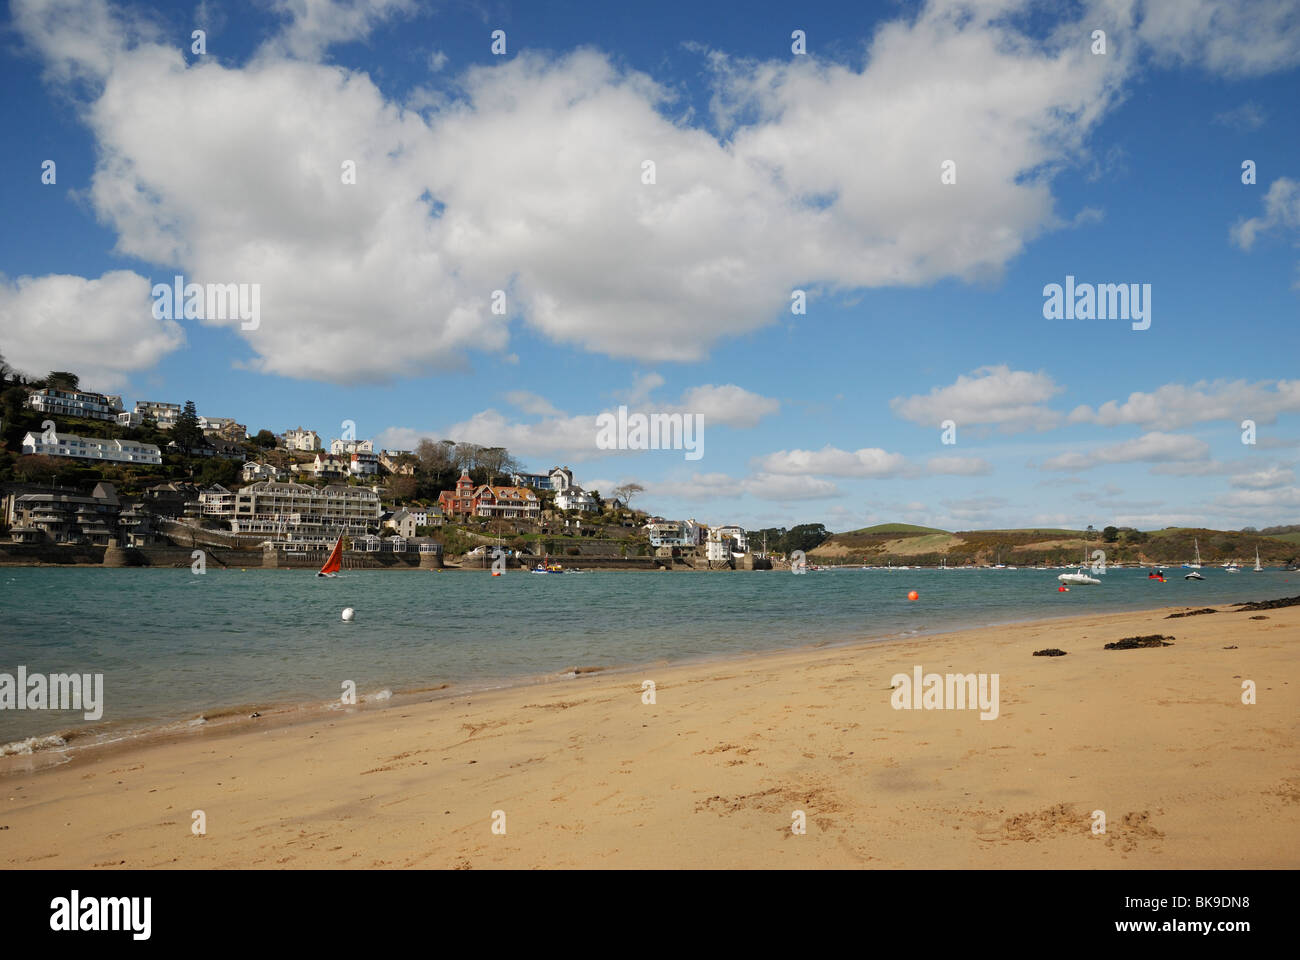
x=910 y=544
x=895 y=528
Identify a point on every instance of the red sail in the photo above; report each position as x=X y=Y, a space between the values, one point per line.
x=335 y=560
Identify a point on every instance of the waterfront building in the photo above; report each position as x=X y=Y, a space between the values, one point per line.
x=301 y=511
x=64 y=517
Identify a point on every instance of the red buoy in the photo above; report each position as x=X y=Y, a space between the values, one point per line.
x=914 y=596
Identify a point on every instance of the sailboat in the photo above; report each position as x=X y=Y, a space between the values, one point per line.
x=1194 y=567
x=334 y=561
x=1258 y=568
x=1081 y=578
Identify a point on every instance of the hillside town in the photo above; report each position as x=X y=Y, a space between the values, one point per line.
x=80 y=470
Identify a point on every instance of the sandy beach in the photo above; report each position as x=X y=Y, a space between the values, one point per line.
x=587 y=774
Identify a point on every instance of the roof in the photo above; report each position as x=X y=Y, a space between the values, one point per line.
x=506 y=493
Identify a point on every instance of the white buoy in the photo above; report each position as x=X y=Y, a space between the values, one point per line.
x=348 y=614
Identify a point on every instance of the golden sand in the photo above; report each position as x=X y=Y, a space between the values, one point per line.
x=583 y=773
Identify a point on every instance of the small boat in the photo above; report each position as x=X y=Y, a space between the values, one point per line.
x=1079 y=579
x=334 y=561
x=1197 y=565
x=547 y=568
x=1156 y=574
x=1193 y=576
x=1258 y=568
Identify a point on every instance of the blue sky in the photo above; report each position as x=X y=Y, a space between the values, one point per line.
x=774 y=172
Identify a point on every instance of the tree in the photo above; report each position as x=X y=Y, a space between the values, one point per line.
x=401 y=488
x=33 y=467
x=627 y=491
x=266 y=440
x=187 y=433
x=1110 y=534
x=435 y=456
x=63 y=380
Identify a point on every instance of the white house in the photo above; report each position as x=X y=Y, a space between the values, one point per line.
x=725 y=540
x=341 y=447
x=300 y=439
x=75 y=403
x=91 y=448
x=561 y=479
x=575 y=498
x=362 y=463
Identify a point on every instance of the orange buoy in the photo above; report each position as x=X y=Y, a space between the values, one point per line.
x=1062 y=589
x=914 y=596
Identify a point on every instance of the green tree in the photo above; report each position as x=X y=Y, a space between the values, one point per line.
x=63 y=380
x=1110 y=534
x=187 y=433
x=265 y=439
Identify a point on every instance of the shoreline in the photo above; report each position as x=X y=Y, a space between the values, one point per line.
x=235 y=718
x=591 y=775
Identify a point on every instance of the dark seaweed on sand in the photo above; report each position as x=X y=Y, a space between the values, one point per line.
x=1268 y=604
x=1191 y=613
x=1132 y=643
x=1049 y=652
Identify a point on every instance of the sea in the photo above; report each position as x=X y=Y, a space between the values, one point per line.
x=178 y=649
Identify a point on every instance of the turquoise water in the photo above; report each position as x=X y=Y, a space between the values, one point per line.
x=171 y=644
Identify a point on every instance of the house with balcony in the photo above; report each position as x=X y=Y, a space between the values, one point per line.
x=91 y=448
x=674 y=533
x=575 y=498
x=216 y=503
x=511 y=503
x=75 y=403
x=66 y=518
x=164 y=415
x=300 y=512
x=725 y=541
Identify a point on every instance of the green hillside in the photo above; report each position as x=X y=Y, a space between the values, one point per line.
x=891 y=528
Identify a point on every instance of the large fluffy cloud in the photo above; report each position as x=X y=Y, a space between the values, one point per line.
x=103 y=328
x=530 y=182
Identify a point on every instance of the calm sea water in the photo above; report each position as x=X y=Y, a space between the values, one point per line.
x=171 y=644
